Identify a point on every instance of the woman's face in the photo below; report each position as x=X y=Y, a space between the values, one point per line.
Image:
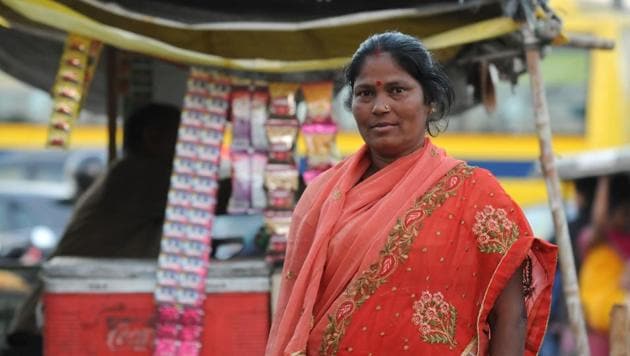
x=388 y=106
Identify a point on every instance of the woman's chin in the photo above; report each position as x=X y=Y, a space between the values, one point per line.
x=387 y=149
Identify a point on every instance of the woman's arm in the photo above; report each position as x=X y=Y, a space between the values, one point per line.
x=508 y=319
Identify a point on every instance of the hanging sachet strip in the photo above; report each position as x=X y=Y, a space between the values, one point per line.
x=248 y=151
x=76 y=70
x=319 y=130
x=186 y=240
x=281 y=179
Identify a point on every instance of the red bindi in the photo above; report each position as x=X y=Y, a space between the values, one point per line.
x=379 y=83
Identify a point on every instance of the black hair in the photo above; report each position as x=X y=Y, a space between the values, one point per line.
x=412 y=56
x=151 y=115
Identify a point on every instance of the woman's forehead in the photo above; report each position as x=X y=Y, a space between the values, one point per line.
x=382 y=68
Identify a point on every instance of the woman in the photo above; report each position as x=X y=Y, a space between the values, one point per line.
x=400 y=248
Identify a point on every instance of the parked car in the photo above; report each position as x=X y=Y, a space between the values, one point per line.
x=37 y=191
x=30 y=224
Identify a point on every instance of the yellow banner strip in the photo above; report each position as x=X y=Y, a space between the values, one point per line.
x=4 y=23
x=472 y=33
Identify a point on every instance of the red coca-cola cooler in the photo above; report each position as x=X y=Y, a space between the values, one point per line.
x=107 y=307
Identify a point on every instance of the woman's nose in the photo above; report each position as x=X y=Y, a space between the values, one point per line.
x=380 y=107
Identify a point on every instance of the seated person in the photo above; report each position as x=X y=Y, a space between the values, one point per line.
x=604 y=276
x=121 y=214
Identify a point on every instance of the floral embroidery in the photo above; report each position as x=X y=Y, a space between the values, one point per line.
x=394 y=253
x=494 y=231
x=436 y=319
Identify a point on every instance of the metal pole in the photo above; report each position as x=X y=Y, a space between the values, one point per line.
x=543 y=128
x=112 y=103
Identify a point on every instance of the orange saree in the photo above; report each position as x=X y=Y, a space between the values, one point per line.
x=409 y=260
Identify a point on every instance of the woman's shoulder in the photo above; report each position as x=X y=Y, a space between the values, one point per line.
x=483 y=188
x=481 y=180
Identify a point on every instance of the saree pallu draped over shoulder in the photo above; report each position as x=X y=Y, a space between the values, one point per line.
x=410 y=260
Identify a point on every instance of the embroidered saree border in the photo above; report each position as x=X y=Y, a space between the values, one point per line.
x=394 y=253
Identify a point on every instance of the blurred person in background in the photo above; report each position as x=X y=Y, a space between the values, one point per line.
x=120 y=215
x=84 y=174
x=605 y=274
x=584 y=196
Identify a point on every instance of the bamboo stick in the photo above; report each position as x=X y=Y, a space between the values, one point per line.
x=112 y=103
x=619 y=330
x=543 y=128
x=589 y=42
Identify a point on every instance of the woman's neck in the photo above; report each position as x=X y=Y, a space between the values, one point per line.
x=378 y=162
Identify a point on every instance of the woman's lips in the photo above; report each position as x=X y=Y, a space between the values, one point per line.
x=380 y=124
x=383 y=126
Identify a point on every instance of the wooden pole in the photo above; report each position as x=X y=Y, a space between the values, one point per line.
x=112 y=103
x=543 y=128
x=619 y=330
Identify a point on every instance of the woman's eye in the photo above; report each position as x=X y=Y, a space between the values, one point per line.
x=362 y=93
x=398 y=90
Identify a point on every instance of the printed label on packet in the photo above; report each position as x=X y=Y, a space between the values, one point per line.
x=166 y=294
x=199 y=232
x=174 y=229
x=258 y=195
x=281 y=133
x=171 y=244
x=194 y=264
x=198 y=118
x=320 y=144
x=259 y=115
x=281 y=199
x=167 y=330
x=282 y=101
x=190 y=296
x=318 y=97
x=167 y=277
x=281 y=176
x=240 y=199
x=170 y=261
x=202 y=201
x=191 y=280
x=278 y=222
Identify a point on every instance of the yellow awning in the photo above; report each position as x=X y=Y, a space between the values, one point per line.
x=258 y=50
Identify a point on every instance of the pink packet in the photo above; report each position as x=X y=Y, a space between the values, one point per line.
x=240 y=200
x=259 y=115
x=258 y=194
x=192 y=316
x=166 y=347
x=189 y=348
x=168 y=313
